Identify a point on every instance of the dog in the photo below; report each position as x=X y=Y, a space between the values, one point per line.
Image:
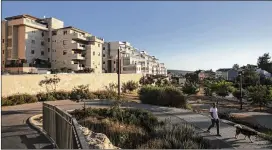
x=245 y=131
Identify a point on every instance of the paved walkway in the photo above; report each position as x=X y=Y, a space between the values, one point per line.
x=17 y=134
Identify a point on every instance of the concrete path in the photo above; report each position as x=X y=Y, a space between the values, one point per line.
x=17 y=134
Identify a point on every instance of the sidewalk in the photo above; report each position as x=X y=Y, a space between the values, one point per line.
x=201 y=122
x=17 y=134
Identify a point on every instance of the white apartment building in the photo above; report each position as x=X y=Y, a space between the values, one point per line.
x=26 y=38
x=132 y=60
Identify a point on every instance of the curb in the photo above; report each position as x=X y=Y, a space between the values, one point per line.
x=38 y=127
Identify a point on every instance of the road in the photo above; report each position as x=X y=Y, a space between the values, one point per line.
x=16 y=133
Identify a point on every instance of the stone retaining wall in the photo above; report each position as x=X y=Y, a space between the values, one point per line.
x=13 y=84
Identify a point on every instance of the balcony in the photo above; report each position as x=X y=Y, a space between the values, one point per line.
x=78 y=56
x=78 y=36
x=97 y=39
x=76 y=67
x=78 y=46
x=35 y=24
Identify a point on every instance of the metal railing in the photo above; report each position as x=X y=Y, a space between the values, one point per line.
x=62 y=128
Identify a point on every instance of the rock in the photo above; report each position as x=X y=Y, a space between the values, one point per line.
x=97 y=140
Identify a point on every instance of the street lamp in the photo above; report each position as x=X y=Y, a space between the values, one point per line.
x=119 y=71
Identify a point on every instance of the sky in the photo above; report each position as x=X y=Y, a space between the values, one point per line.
x=183 y=35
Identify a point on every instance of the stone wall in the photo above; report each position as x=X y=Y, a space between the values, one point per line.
x=12 y=84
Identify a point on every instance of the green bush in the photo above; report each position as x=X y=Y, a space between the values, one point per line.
x=81 y=92
x=18 y=99
x=128 y=116
x=129 y=86
x=164 y=96
x=138 y=128
x=103 y=94
x=175 y=136
x=61 y=95
x=190 y=88
x=45 y=97
x=6 y=101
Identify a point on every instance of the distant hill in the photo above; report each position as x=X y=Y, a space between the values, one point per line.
x=183 y=72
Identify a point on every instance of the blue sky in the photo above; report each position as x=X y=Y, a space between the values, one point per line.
x=183 y=35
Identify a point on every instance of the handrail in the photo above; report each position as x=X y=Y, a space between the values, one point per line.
x=62 y=128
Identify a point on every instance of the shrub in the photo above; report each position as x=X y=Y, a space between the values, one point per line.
x=112 y=87
x=103 y=94
x=138 y=117
x=81 y=92
x=6 y=101
x=60 y=95
x=45 y=97
x=164 y=96
x=237 y=93
x=175 y=137
x=130 y=86
x=18 y=99
x=146 y=80
x=190 y=88
x=259 y=94
x=137 y=128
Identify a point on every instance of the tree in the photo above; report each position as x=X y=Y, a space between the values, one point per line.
x=50 y=82
x=190 y=88
x=222 y=88
x=249 y=78
x=235 y=67
x=259 y=94
x=237 y=93
x=146 y=80
x=192 y=77
x=264 y=63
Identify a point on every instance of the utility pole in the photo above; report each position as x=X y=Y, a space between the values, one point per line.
x=241 y=97
x=118 y=72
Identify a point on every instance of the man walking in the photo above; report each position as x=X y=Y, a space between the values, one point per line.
x=215 y=119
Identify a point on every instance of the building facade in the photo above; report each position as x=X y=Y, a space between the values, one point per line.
x=227 y=74
x=29 y=41
x=132 y=60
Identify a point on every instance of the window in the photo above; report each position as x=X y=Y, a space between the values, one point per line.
x=103 y=62
x=64 y=42
x=64 y=32
x=113 y=69
x=42 y=53
x=42 y=34
x=48 y=59
x=42 y=43
x=48 y=49
x=114 y=62
x=33 y=41
x=32 y=51
x=54 y=33
x=3 y=41
x=93 y=53
x=3 y=51
x=98 y=54
x=104 y=48
x=64 y=52
x=104 y=55
x=98 y=45
x=48 y=39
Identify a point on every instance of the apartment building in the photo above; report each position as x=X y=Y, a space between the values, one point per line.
x=132 y=60
x=76 y=49
x=29 y=42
